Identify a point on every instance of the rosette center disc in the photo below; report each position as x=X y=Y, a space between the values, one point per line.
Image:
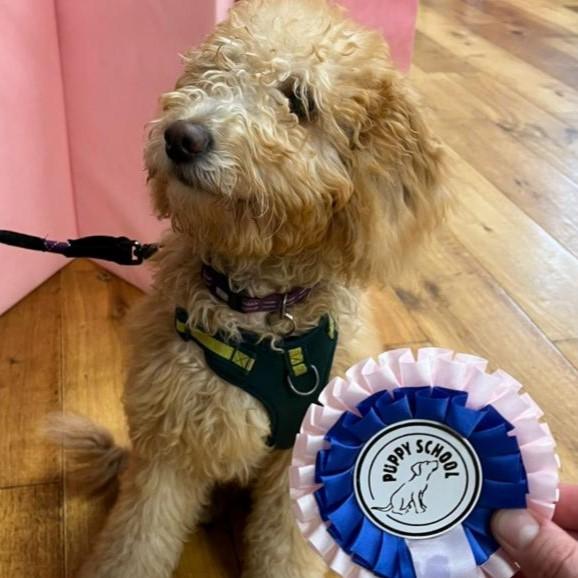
x=417 y=479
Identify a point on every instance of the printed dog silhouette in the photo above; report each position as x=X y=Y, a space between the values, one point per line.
x=410 y=494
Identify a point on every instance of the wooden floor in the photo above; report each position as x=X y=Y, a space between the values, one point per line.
x=501 y=80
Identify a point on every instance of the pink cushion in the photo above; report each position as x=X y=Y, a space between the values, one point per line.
x=113 y=58
x=35 y=185
x=395 y=18
x=117 y=58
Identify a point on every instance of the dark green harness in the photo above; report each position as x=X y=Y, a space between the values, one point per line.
x=286 y=381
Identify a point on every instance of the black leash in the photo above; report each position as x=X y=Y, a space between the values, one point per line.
x=121 y=250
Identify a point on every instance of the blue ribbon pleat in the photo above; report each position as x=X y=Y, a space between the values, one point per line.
x=367 y=545
x=340 y=457
x=483 y=545
x=505 y=482
x=368 y=426
x=399 y=410
x=501 y=495
x=508 y=468
x=462 y=419
x=494 y=442
x=432 y=408
x=337 y=487
x=346 y=519
x=479 y=520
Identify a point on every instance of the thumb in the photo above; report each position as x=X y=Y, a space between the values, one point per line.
x=542 y=549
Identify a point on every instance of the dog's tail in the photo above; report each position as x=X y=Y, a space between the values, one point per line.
x=386 y=509
x=95 y=458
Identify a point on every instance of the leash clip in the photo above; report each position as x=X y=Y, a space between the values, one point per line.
x=141 y=253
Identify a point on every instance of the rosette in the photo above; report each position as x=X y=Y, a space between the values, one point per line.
x=398 y=472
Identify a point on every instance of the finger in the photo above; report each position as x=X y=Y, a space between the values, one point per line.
x=566 y=514
x=541 y=548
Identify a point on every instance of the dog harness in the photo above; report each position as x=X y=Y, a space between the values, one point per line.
x=286 y=380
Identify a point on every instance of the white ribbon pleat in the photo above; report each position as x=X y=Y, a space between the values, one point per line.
x=446 y=556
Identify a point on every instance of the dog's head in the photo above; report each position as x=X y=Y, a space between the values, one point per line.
x=289 y=135
x=425 y=469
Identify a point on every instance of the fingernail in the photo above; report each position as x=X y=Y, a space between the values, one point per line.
x=516 y=528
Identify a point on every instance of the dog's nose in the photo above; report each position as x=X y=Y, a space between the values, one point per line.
x=185 y=139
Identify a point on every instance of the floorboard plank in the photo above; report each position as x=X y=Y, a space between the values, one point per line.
x=569 y=347
x=545 y=190
x=30 y=383
x=549 y=93
x=536 y=187
x=506 y=27
x=498 y=12
x=432 y=57
x=497 y=233
x=481 y=97
x=397 y=328
x=523 y=44
x=31 y=532
x=567 y=44
x=553 y=13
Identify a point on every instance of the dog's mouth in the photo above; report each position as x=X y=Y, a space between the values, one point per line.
x=195 y=183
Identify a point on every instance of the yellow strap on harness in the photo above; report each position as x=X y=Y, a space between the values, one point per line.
x=297 y=360
x=217 y=346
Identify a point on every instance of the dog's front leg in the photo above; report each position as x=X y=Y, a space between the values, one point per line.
x=422 y=505
x=275 y=547
x=144 y=534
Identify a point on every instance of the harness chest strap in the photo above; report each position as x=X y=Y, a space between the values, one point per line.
x=286 y=381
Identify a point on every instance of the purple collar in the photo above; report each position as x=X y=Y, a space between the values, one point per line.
x=218 y=285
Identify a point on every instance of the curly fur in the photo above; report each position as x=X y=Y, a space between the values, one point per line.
x=334 y=200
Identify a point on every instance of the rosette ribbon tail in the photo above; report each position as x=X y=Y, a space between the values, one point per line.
x=446 y=556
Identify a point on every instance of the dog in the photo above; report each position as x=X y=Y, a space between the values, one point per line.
x=291 y=160
x=410 y=494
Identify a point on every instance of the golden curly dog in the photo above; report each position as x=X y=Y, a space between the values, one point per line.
x=305 y=162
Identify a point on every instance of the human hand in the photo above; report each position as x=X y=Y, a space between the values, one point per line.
x=544 y=549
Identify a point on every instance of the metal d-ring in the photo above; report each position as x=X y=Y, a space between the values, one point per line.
x=305 y=393
x=282 y=315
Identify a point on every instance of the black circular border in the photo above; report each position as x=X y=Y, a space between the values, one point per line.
x=416 y=422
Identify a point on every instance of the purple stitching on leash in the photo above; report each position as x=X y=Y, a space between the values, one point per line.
x=56 y=246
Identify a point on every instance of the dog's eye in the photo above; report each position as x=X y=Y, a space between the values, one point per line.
x=300 y=102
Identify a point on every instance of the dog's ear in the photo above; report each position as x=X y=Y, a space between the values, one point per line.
x=396 y=165
x=416 y=468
